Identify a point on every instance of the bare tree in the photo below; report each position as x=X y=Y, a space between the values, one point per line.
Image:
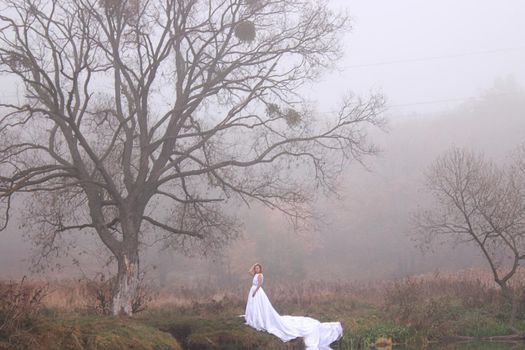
x=156 y=115
x=479 y=203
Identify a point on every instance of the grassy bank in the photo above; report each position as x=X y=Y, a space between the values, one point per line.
x=412 y=311
x=83 y=332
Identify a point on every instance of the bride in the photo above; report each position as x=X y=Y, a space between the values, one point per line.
x=261 y=315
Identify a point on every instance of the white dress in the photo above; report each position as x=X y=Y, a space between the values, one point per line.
x=261 y=315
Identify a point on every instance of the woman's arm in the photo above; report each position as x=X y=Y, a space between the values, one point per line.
x=259 y=284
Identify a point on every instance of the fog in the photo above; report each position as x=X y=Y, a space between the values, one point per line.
x=363 y=235
x=426 y=56
x=453 y=73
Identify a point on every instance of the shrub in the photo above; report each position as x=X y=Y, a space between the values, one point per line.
x=20 y=304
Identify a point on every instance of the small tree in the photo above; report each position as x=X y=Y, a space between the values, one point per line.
x=157 y=115
x=479 y=203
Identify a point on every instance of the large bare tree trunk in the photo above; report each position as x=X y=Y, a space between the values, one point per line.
x=126 y=284
x=512 y=297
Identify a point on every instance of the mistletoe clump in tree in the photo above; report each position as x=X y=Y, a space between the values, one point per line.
x=150 y=117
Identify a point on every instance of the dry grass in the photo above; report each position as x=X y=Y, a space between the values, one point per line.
x=472 y=284
x=467 y=283
x=472 y=287
x=20 y=304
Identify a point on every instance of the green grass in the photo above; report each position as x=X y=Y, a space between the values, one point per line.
x=217 y=326
x=363 y=324
x=223 y=330
x=476 y=323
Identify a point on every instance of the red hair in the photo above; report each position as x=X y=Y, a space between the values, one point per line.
x=260 y=267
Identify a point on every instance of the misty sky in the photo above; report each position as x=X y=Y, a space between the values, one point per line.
x=405 y=30
x=483 y=40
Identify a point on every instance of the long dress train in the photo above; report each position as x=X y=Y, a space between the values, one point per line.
x=261 y=315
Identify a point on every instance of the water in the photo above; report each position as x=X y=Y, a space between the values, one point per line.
x=470 y=346
x=485 y=345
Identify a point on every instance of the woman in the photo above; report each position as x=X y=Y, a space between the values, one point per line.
x=261 y=315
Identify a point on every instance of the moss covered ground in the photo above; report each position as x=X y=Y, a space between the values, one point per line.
x=84 y=332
